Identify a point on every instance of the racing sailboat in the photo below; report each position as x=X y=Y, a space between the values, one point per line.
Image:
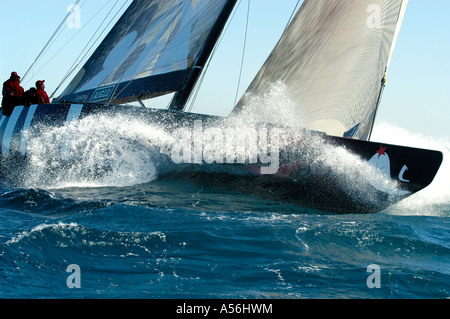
x=331 y=61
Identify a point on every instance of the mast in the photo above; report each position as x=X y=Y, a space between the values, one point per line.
x=383 y=85
x=182 y=95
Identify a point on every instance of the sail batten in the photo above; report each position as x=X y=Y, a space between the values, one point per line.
x=148 y=53
x=331 y=59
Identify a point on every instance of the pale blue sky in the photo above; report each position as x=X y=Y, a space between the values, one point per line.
x=417 y=96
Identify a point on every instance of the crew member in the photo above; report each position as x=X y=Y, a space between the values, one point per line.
x=12 y=94
x=30 y=97
x=42 y=97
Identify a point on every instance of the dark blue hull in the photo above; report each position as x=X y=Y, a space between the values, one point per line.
x=303 y=175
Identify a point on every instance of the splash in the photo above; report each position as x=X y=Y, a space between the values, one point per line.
x=104 y=151
x=346 y=169
x=123 y=150
x=274 y=106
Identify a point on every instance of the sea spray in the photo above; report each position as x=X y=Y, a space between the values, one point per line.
x=127 y=150
x=275 y=106
x=330 y=164
x=104 y=151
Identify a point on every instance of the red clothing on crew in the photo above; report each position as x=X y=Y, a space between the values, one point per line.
x=42 y=97
x=12 y=88
x=12 y=94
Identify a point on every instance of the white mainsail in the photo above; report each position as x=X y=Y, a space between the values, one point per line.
x=331 y=59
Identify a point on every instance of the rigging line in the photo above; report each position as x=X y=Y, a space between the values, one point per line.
x=52 y=41
x=197 y=90
x=292 y=15
x=51 y=38
x=34 y=73
x=70 y=12
x=75 y=65
x=243 y=53
x=219 y=41
x=80 y=29
x=78 y=32
x=87 y=44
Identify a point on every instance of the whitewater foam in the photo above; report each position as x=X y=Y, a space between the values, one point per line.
x=104 y=151
x=40 y=228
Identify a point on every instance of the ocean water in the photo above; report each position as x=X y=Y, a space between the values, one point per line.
x=134 y=234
